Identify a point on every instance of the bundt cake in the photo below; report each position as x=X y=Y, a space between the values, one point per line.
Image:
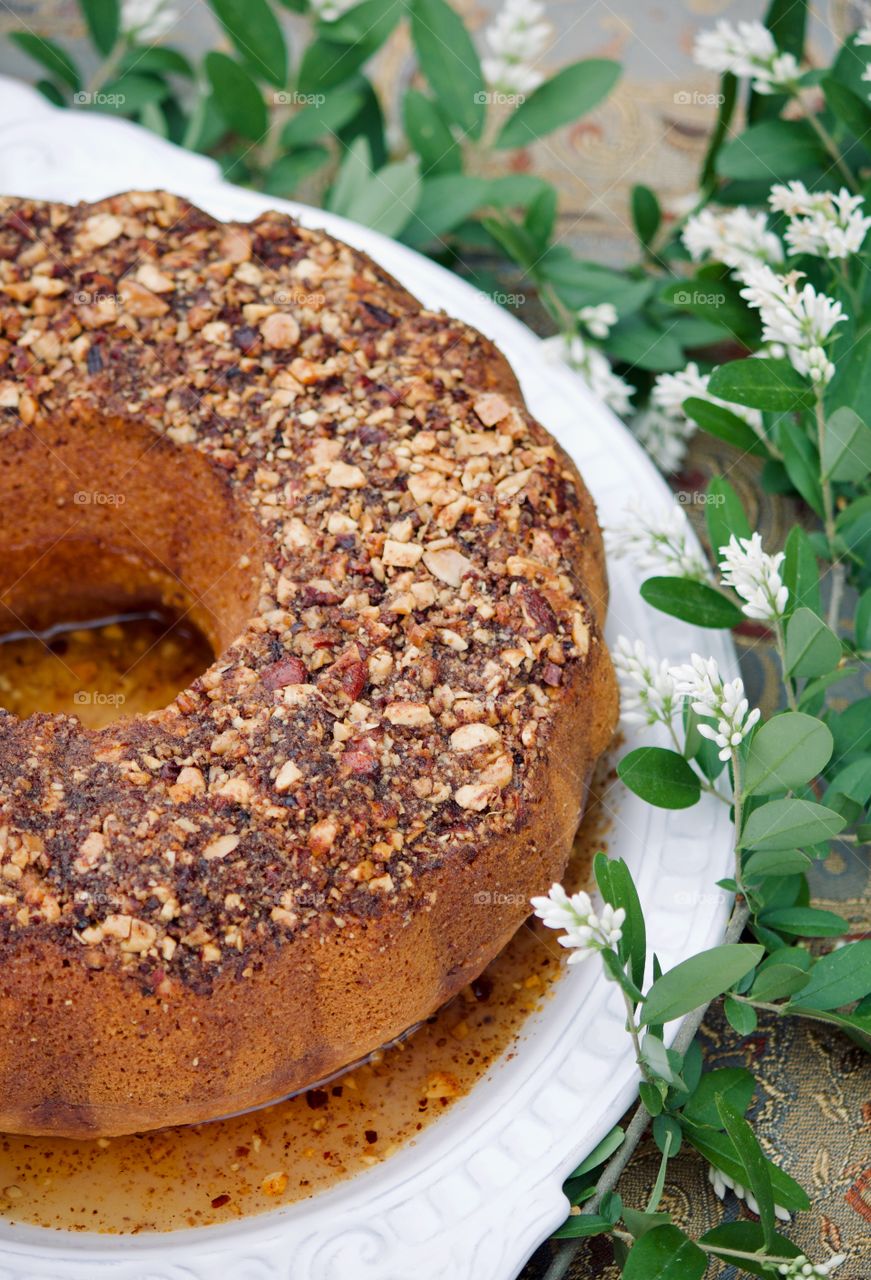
x=341 y=821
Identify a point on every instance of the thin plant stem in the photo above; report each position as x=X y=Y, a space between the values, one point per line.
x=825 y=482
x=780 y=645
x=638 y=1125
x=838 y=573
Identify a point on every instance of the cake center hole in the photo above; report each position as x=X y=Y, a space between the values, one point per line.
x=101 y=668
x=127 y=565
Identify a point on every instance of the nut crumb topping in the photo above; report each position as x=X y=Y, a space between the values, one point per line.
x=420 y=621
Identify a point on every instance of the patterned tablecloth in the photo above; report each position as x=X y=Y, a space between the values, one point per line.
x=813 y=1110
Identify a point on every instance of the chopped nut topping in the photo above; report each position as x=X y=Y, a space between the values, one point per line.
x=410 y=714
x=287 y=775
x=401 y=554
x=341 y=475
x=280 y=331
x=449 y=566
x=408 y=548
x=470 y=736
x=221 y=847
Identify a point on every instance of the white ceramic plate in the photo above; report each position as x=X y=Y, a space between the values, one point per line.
x=481 y=1188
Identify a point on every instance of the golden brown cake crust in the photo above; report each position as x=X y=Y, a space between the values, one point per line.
x=342 y=821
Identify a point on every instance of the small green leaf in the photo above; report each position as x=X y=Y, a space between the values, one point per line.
x=617 y=887
x=289 y=171
x=734 y=1083
x=449 y=61
x=846 y=445
x=724 y=425
x=581 y=1225
x=638 y=1223
x=661 y=777
x=667 y=1136
x=384 y=200
x=713 y=296
x=131 y=92
x=761 y=384
x=778 y=982
x=156 y=58
x=372 y=19
x=447 y=200
x=665 y=1253
x=698 y=980
x=849 y=791
x=566 y=96
x=580 y=283
x=862 y=621
x=747 y=1238
x=845 y=106
x=254 y=30
x=651 y=1096
x=839 y=978
x=772 y=151
x=776 y=862
x=741 y=1017
x=691 y=601
x=241 y=102
x=541 y=216
x=430 y=135
x=801 y=572
x=790 y=824
x=812 y=649
x=646 y=213
x=49 y=55
x=645 y=345
x=719 y=1150
x=805 y=922
x=327 y=64
x=750 y=1154
x=317 y=118
x=103 y=21
x=786 y=752
x=601 y=1152
x=724 y=515
x=800 y=462
x=51 y=92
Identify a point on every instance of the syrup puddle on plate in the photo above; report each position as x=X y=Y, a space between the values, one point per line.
x=101 y=669
x=230 y=1169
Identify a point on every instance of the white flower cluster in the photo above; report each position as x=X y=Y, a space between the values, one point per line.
x=798 y=318
x=755 y=575
x=517 y=37
x=593 y=366
x=721 y=1182
x=658 y=541
x=700 y=682
x=663 y=436
x=800 y=1269
x=747 y=49
x=147 y=20
x=647 y=693
x=598 y=320
x=821 y=223
x=669 y=420
x=736 y=237
x=586 y=931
